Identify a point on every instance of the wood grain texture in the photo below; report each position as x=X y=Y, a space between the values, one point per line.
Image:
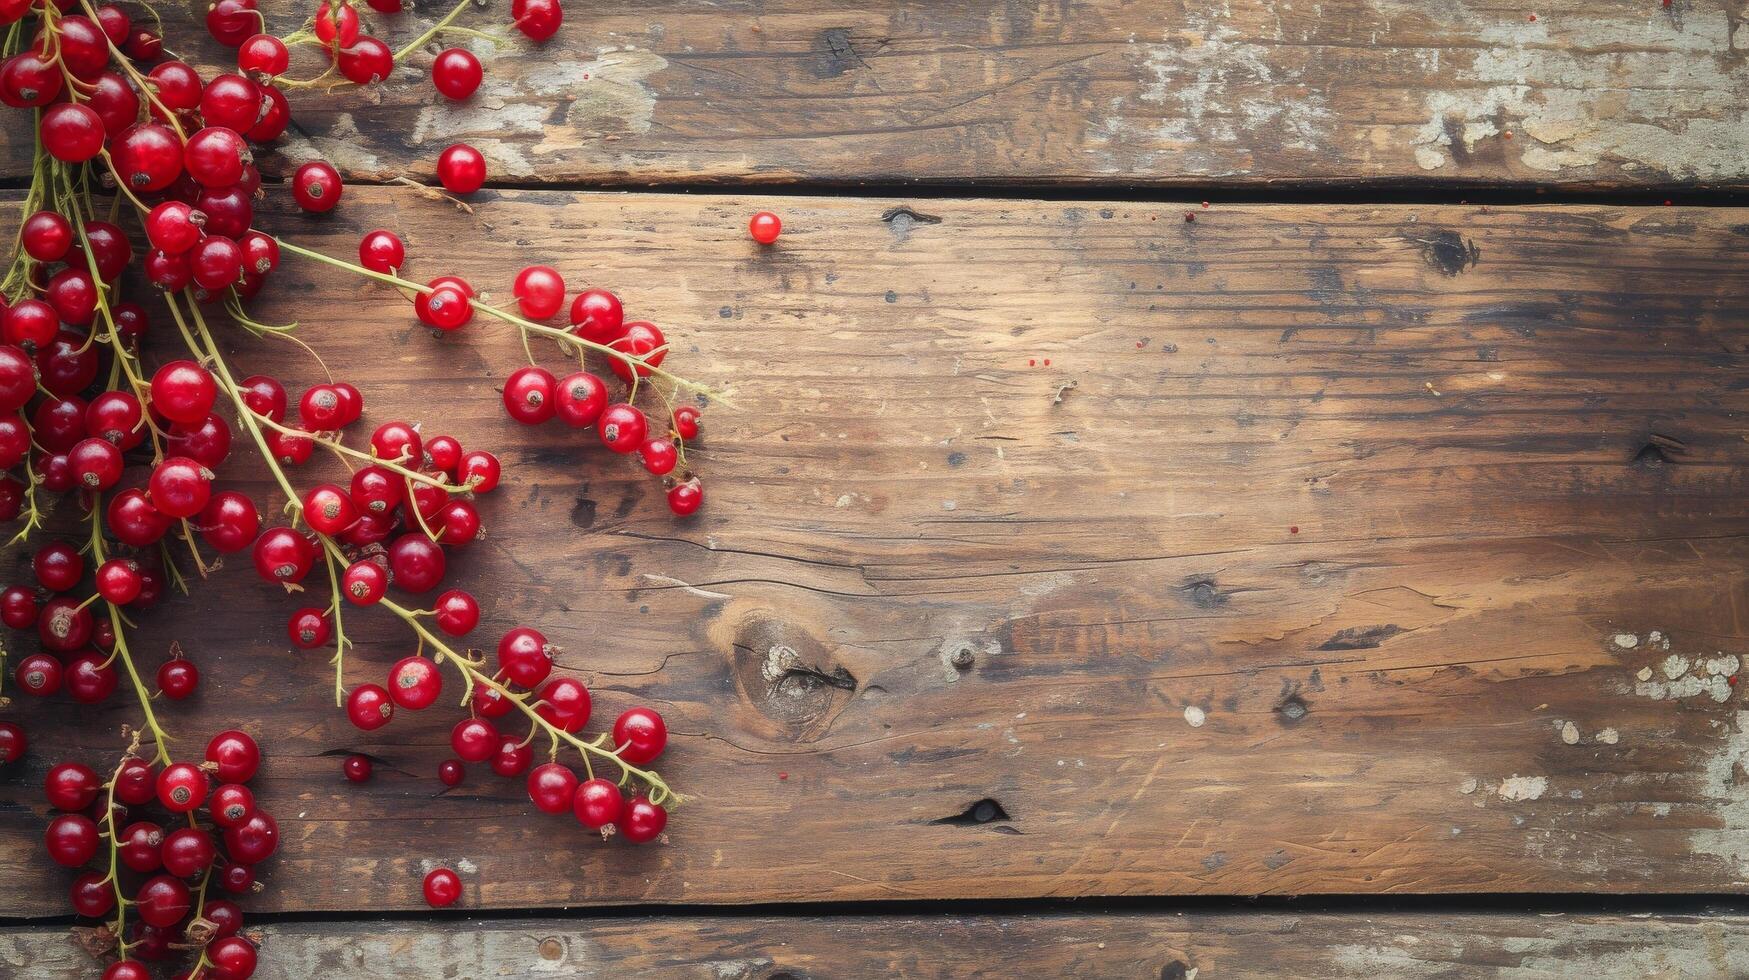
x=1624 y=93
x=1155 y=946
x=1294 y=549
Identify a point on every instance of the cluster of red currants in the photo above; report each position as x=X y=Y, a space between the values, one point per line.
x=150 y=865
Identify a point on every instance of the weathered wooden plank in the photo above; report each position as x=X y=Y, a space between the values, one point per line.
x=1621 y=93
x=1296 y=549
x=1151 y=945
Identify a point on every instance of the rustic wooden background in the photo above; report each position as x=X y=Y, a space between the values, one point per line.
x=1329 y=547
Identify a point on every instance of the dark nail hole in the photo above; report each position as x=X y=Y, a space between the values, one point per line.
x=1203 y=592
x=982 y=812
x=1293 y=710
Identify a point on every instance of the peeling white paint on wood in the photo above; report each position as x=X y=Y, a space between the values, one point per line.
x=1518 y=789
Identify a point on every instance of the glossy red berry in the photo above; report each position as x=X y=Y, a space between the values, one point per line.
x=31 y=321
x=442 y=888
x=369 y=707
x=134 y=521
x=540 y=291
x=182 y=787
x=183 y=391
x=216 y=263
x=524 y=657
x=215 y=156
x=71 y=133
x=309 y=628
x=46 y=236
x=369 y=60
x=336 y=24
x=597 y=316
x=328 y=509
x=237 y=878
x=457 y=612
x=512 y=757
x=231 y=805
x=283 y=555
x=207 y=443
x=479 y=470
x=323 y=408
x=765 y=227
x=233 y=958
x=490 y=702
x=642 y=340
x=179 y=487
x=64 y=625
x=71 y=786
x=456 y=73
x=565 y=702
x=450 y=772
x=90 y=678
x=551 y=787
x=643 y=821
x=117 y=417
x=686 y=497
x=136 y=782
x=178 y=678
x=363 y=583
x=580 y=399
x=397 y=442
x=597 y=803
x=538 y=20
x=416 y=564
x=118 y=581
x=316 y=187
x=640 y=735
x=94 y=897
x=255 y=841
x=225 y=916
x=263 y=53
x=457 y=523
x=229 y=522
x=622 y=428
x=188 y=852
x=474 y=739
x=163 y=901
x=357 y=768
x=461 y=169
x=381 y=251
x=415 y=683
x=71 y=839
x=18 y=608
x=58 y=566
x=231 y=21
x=446 y=307
x=235 y=754
x=232 y=101
x=659 y=456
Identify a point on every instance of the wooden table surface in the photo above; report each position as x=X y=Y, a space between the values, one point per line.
x=1357 y=541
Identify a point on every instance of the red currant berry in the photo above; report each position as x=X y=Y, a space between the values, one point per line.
x=255 y=841
x=512 y=757
x=369 y=707
x=308 y=628
x=290 y=449
x=225 y=916
x=597 y=803
x=336 y=24
x=235 y=754
x=73 y=296
x=96 y=463
x=183 y=391
x=179 y=487
x=456 y=73
x=659 y=456
x=275 y=117
x=163 y=901
x=316 y=187
x=622 y=428
x=31 y=321
x=442 y=888
x=115 y=101
x=141 y=846
x=416 y=564
x=450 y=772
x=540 y=291
x=171 y=273
x=136 y=782
x=765 y=227
x=29 y=80
x=237 y=878
x=457 y=612
x=283 y=555
x=524 y=657
x=71 y=786
x=415 y=683
x=117 y=417
x=188 y=852
x=474 y=739
x=207 y=443
x=397 y=442
x=640 y=735
x=229 y=211
x=357 y=768
x=93 y=897
x=143 y=45
x=110 y=249
x=216 y=263
x=178 y=678
x=458 y=523
x=182 y=787
x=260 y=253
x=381 y=251
x=73 y=133
x=215 y=156
x=377 y=491
x=231 y=101
x=643 y=821
x=443 y=453
x=685 y=498
x=233 y=958
x=478 y=471
x=134 y=521
x=229 y=521
x=328 y=509
x=58 y=566
x=18 y=378
x=231 y=805
x=364 y=583
x=461 y=168
x=46 y=236
x=581 y=399
x=323 y=408
x=490 y=702
x=367 y=61
x=89 y=678
x=564 y=701
x=263 y=53
x=446 y=307
x=71 y=839
x=641 y=340
x=64 y=625
x=538 y=20
x=18 y=607
x=114 y=22
x=118 y=581
x=231 y=21
x=597 y=316
x=551 y=787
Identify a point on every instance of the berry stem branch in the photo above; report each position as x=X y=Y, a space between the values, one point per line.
x=160 y=741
